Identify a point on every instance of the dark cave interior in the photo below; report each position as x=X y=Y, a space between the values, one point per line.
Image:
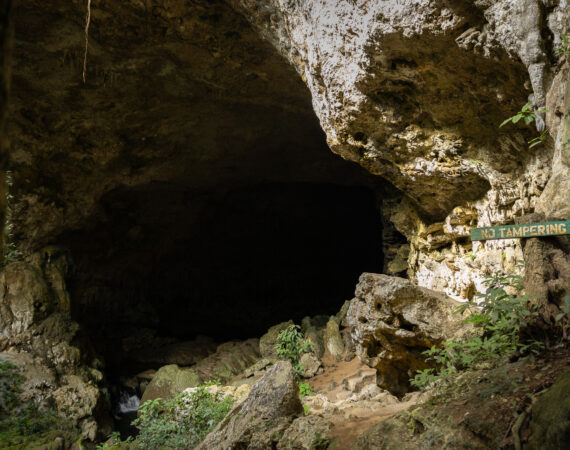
x=229 y=264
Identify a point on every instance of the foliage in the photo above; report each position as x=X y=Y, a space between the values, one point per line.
x=305 y=390
x=306 y=410
x=182 y=422
x=22 y=422
x=114 y=442
x=564 y=48
x=499 y=317
x=528 y=115
x=291 y=345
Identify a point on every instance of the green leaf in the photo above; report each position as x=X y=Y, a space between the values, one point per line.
x=528 y=119
x=506 y=122
x=534 y=143
x=517 y=118
x=527 y=106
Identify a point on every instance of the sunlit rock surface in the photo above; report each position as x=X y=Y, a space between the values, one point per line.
x=393 y=321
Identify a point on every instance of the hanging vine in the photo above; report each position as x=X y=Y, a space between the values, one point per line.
x=87 y=22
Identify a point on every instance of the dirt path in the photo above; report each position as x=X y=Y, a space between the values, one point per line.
x=351 y=419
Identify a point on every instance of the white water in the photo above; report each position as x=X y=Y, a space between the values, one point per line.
x=128 y=403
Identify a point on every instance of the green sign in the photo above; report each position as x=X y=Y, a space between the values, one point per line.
x=521 y=231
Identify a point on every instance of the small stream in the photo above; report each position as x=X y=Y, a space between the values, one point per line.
x=125 y=412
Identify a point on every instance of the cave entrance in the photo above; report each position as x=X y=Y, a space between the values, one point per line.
x=223 y=211
x=169 y=264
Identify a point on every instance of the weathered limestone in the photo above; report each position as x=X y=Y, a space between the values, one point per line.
x=170 y=381
x=332 y=339
x=268 y=341
x=393 y=321
x=402 y=89
x=261 y=419
x=230 y=359
x=38 y=335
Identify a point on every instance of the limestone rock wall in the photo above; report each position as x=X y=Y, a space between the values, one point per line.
x=414 y=91
x=38 y=335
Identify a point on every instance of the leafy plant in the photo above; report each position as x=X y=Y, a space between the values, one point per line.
x=499 y=317
x=539 y=139
x=564 y=48
x=114 y=441
x=529 y=115
x=305 y=390
x=306 y=410
x=181 y=422
x=291 y=345
x=23 y=422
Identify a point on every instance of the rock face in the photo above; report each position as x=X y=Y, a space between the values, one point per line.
x=38 y=335
x=393 y=321
x=261 y=419
x=414 y=91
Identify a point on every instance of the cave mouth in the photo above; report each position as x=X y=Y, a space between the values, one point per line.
x=195 y=188
x=169 y=264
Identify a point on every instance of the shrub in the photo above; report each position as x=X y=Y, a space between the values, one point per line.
x=528 y=115
x=500 y=317
x=182 y=422
x=291 y=345
x=23 y=422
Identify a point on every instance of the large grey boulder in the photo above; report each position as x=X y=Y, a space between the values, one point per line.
x=170 y=381
x=263 y=417
x=269 y=340
x=230 y=359
x=393 y=321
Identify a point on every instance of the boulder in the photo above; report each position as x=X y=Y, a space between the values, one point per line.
x=393 y=321
x=258 y=368
x=170 y=381
x=230 y=359
x=263 y=417
x=238 y=393
x=310 y=364
x=333 y=339
x=307 y=433
x=269 y=340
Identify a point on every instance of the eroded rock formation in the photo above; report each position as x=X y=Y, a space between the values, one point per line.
x=414 y=91
x=39 y=337
x=393 y=321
